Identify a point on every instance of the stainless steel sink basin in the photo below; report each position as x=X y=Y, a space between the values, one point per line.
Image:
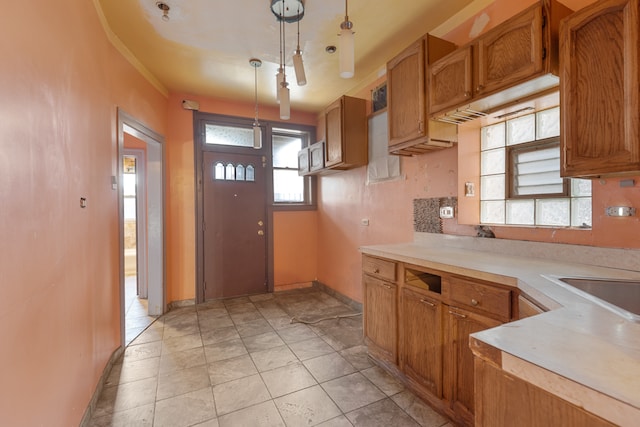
x=619 y=296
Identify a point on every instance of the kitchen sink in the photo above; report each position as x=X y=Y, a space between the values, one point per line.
x=619 y=296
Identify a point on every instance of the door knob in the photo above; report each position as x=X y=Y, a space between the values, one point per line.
x=260 y=233
x=260 y=223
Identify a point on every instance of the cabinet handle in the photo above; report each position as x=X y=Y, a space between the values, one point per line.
x=479 y=88
x=420 y=126
x=376 y=270
x=386 y=286
x=467 y=94
x=458 y=314
x=429 y=303
x=474 y=301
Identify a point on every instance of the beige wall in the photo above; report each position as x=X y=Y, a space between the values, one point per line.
x=59 y=294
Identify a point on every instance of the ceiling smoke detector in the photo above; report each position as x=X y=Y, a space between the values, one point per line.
x=331 y=49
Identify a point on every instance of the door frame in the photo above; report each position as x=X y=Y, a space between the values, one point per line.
x=199 y=120
x=155 y=213
x=141 y=219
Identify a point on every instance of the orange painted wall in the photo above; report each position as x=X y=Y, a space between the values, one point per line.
x=345 y=198
x=59 y=287
x=180 y=192
x=295 y=247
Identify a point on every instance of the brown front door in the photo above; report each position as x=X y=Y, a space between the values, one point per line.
x=235 y=258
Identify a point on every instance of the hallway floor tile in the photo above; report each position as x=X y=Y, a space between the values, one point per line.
x=244 y=362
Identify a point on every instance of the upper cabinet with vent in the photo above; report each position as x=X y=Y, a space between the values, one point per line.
x=509 y=63
x=600 y=90
x=410 y=130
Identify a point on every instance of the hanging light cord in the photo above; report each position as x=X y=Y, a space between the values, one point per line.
x=282 y=45
x=298 y=47
x=255 y=85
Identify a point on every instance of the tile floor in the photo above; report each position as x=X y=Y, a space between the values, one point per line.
x=136 y=318
x=242 y=362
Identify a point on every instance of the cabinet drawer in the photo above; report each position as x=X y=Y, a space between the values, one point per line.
x=478 y=296
x=379 y=267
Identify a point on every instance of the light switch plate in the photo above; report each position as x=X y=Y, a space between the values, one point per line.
x=446 y=212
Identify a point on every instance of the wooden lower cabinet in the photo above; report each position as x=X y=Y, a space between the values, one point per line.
x=415 y=330
x=421 y=339
x=380 y=318
x=459 y=366
x=505 y=401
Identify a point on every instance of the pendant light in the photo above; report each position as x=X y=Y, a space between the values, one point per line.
x=257 y=131
x=298 y=66
x=283 y=90
x=346 y=45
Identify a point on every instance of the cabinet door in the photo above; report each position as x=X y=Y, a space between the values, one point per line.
x=380 y=318
x=504 y=401
x=600 y=92
x=316 y=156
x=406 y=106
x=450 y=81
x=461 y=324
x=334 y=137
x=303 y=161
x=421 y=339
x=510 y=53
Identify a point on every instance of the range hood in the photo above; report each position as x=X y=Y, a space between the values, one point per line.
x=512 y=96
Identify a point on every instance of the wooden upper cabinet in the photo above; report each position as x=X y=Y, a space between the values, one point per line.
x=513 y=61
x=600 y=90
x=405 y=103
x=451 y=80
x=409 y=127
x=346 y=133
x=511 y=52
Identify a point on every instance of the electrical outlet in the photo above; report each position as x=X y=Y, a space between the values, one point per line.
x=446 y=212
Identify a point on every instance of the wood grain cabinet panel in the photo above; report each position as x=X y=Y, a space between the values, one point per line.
x=511 y=52
x=460 y=370
x=504 y=401
x=600 y=90
x=422 y=339
x=380 y=318
x=346 y=136
x=410 y=130
x=483 y=298
x=451 y=80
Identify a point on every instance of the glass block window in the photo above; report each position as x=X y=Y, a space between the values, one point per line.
x=520 y=181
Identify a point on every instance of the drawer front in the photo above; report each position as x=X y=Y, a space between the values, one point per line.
x=478 y=296
x=379 y=267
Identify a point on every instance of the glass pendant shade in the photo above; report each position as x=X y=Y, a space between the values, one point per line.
x=346 y=51
x=279 y=80
x=285 y=106
x=257 y=136
x=298 y=67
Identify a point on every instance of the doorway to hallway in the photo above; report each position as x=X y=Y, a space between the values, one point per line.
x=141 y=218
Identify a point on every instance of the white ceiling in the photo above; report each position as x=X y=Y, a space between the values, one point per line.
x=206 y=45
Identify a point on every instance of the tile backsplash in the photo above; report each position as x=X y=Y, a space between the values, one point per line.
x=426 y=213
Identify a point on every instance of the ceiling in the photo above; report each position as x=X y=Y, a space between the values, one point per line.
x=205 y=46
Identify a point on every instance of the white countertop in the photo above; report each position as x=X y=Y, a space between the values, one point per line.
x=577 y=339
